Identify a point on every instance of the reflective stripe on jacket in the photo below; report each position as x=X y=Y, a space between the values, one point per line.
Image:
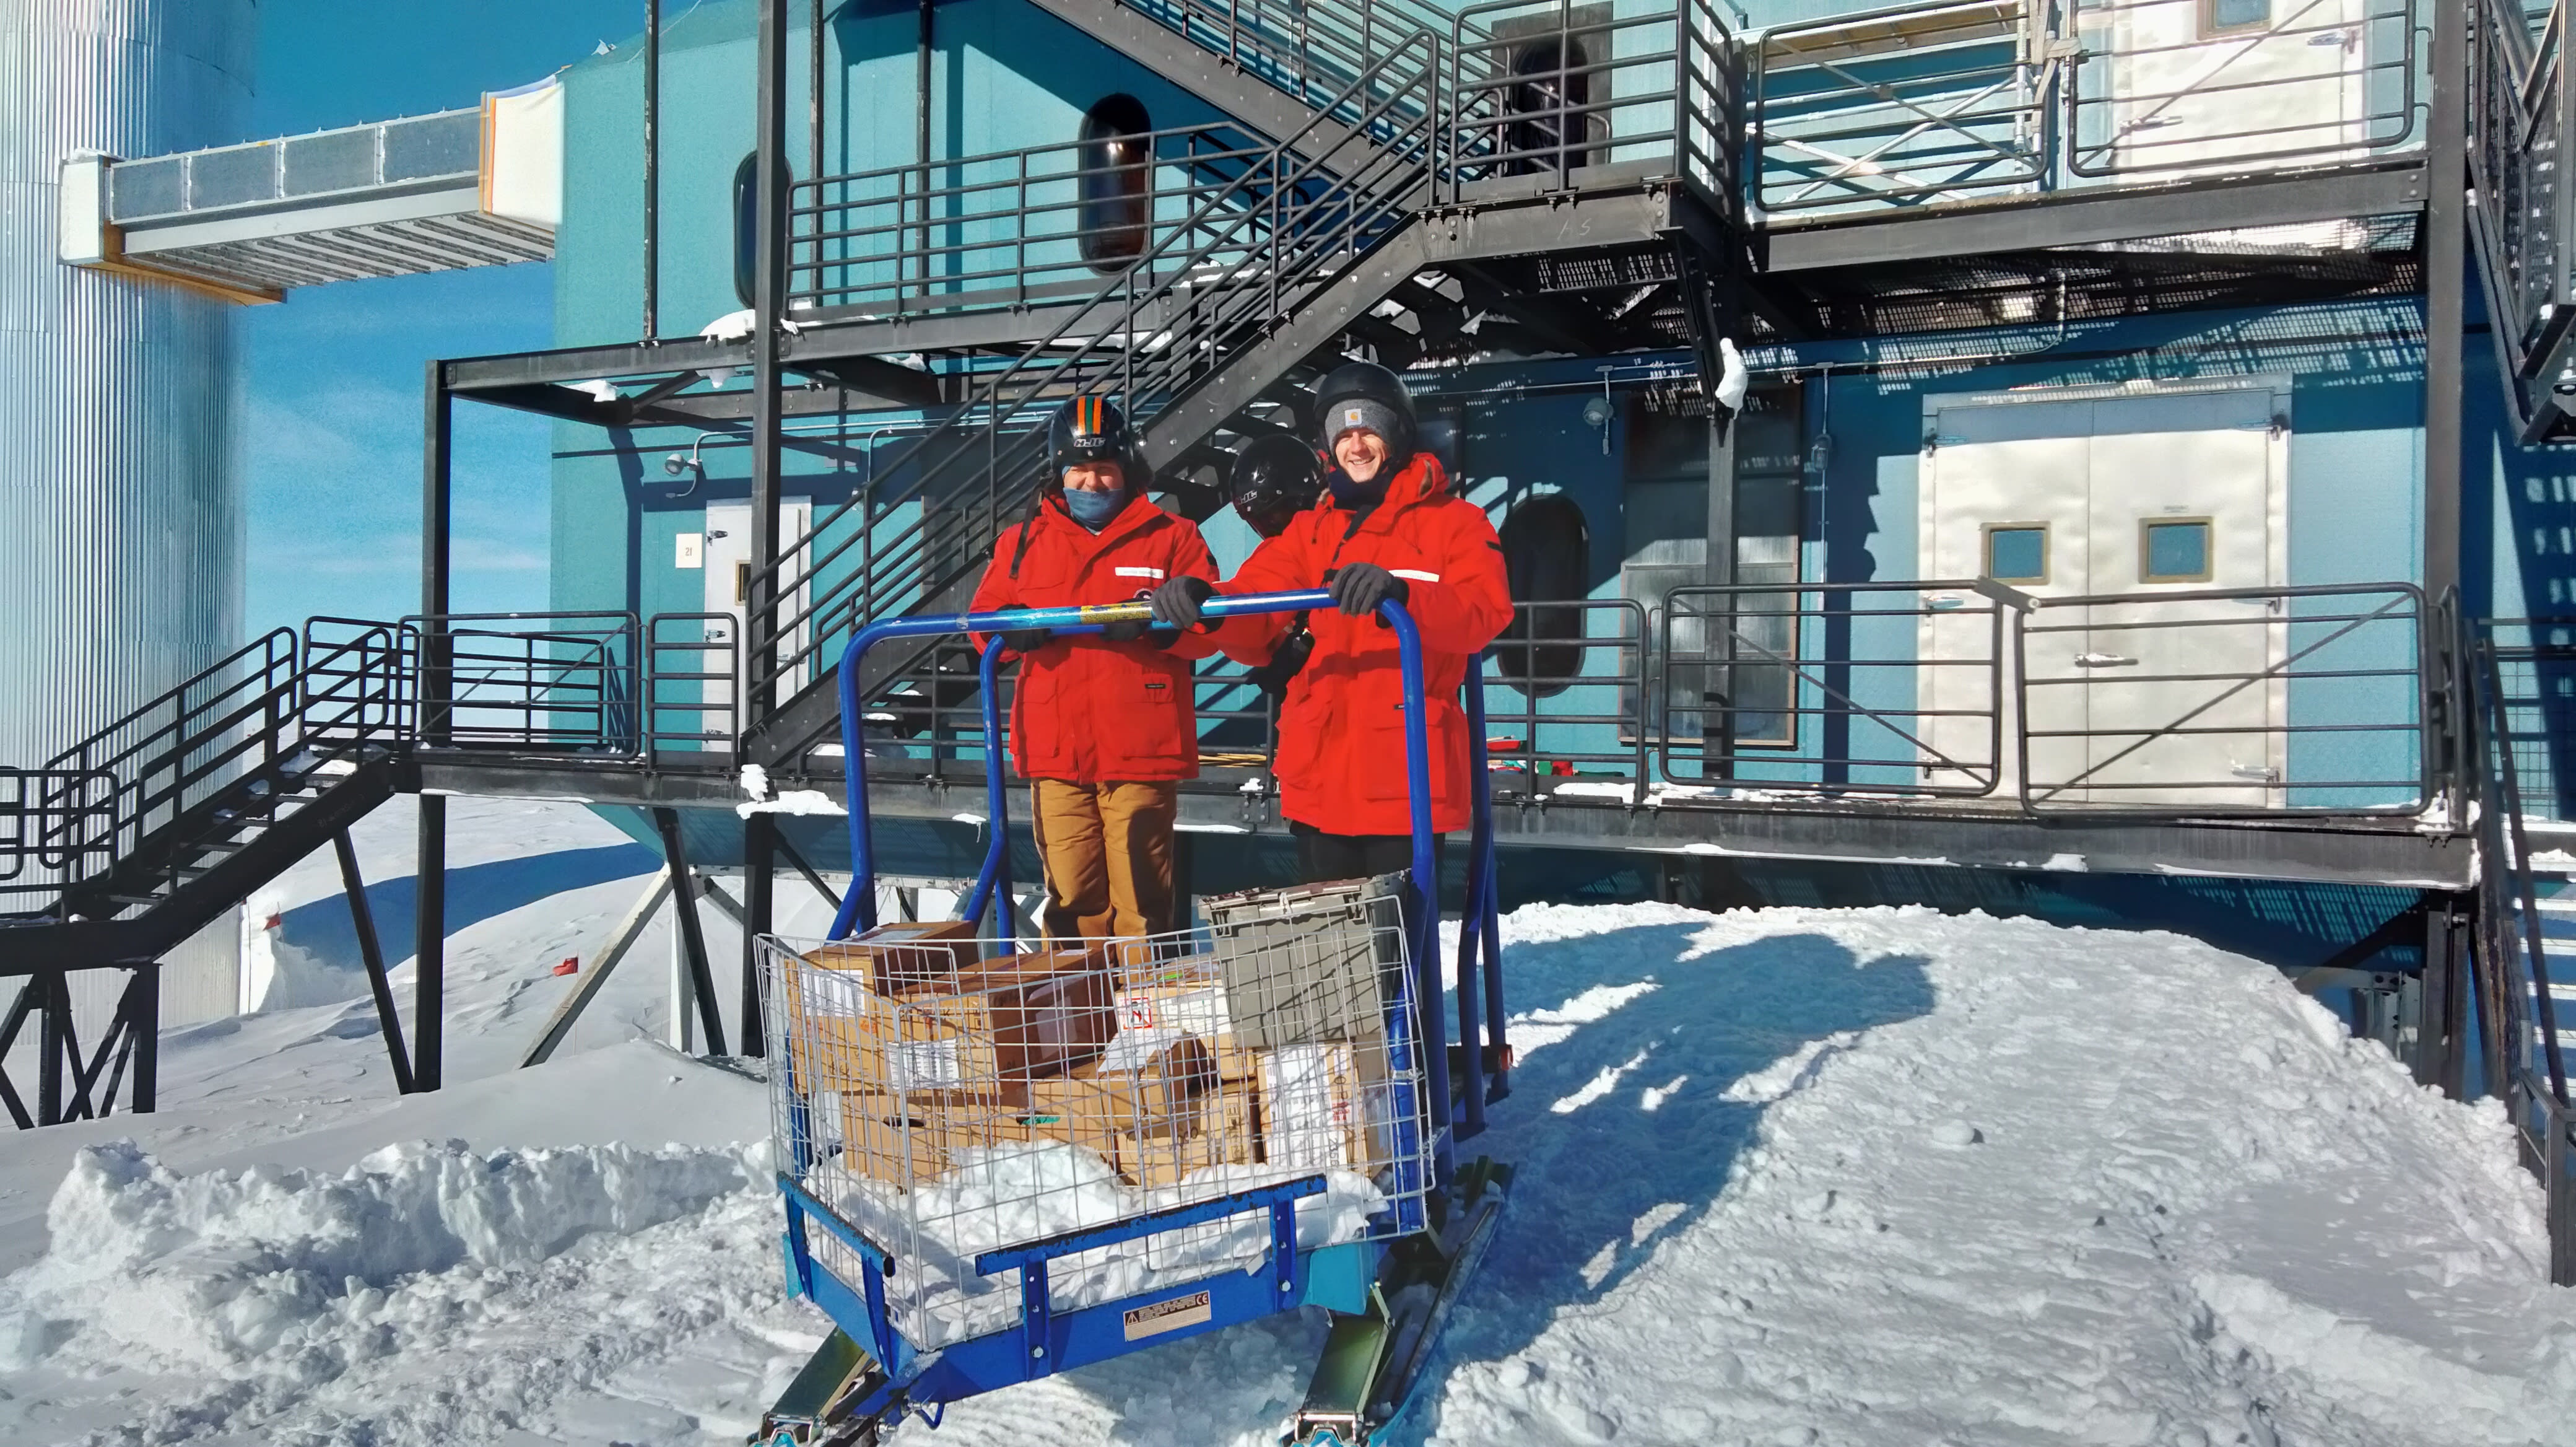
x=1087 y=710
x=1341 y=764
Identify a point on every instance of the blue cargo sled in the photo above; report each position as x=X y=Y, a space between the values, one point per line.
x=960 y=1247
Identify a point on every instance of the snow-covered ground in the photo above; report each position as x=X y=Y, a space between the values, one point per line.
x=1787 y=1176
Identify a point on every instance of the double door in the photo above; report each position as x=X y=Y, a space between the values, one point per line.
x=2121 y=512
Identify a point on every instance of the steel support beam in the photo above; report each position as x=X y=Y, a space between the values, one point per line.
x=2441 y=1037
x=693 y=940
x=769 y=303
x=2445 y=296
x=587 y=985
x=371 y=950
x=759 y=886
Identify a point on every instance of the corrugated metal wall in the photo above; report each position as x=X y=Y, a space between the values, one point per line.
x=121 y=518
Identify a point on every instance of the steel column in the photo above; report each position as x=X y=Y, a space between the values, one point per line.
x=769 y=303
x=2445 y=295
x=429 y=947
x=652 y=167
x=56 y=1038
x=2441 y=1035
x=143 y=1038
x=760 y=880
x=371 y=950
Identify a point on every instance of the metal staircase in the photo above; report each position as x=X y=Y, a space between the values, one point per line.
x=2520 y=114
x=135 y=838
x=1419 y=177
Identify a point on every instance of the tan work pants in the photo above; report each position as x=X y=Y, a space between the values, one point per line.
x=1107 y=849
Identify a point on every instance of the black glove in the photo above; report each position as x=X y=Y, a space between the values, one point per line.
x=1126 y=630
x=1358 y=588
x=1176 y=603
x=1027 y=640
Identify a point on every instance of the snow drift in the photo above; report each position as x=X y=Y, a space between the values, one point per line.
x=263 y=1270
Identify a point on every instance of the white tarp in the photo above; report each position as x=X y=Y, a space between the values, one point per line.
x=523 y=153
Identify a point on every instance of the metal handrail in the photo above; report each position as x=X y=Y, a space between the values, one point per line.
x=2133 y=738
x=1545 y=89
x=1918 y=105
x=1828 y=690
x=959 y=234
x=712 y=656
x=587 y=671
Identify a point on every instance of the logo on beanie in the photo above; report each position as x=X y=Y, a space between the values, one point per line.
x=1354 y=417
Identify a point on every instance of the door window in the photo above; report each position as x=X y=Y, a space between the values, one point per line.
x=2017 y=552
x=2173 y=550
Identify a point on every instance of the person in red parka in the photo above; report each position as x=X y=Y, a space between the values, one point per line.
x=1386 y=527
x=1104 y=727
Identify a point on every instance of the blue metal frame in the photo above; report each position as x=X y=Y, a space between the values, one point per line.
x=1047 y=1340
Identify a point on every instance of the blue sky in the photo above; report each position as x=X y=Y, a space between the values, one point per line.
x=332 y=412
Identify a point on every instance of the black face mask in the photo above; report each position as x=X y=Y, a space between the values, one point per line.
x=1359 y=496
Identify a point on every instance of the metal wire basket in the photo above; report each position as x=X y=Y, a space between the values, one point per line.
x=948 y=1097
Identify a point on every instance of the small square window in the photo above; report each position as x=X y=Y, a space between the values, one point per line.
x=2174 y=551
x=2219 y=17
x=2017 y=553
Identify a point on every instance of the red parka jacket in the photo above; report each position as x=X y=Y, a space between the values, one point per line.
x=1341 y=763
x=1090 y=711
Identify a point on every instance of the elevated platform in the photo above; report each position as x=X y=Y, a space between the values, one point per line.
x=2354 y=849
x=464 y=188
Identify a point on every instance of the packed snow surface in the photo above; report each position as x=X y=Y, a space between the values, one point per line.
x=1790 y=1176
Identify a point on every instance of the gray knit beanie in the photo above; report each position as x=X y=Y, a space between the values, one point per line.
x=1353 y=412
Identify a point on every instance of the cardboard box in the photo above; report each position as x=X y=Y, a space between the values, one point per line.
x=1328 y=1107
x=1192 y=1002
x=976 y=1035
x=1225 y=1132
x=895 y=957
x=885 y=1138
x=1145 y=1084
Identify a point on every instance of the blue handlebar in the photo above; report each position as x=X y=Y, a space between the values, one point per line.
x=859 y=907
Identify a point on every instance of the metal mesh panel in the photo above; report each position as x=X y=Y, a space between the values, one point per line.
x=948 y=1098
x=448 y=144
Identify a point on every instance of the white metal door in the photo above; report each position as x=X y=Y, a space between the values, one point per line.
x=2187 y=499
x=2001 y=477
x=2148 y=496
x=728 y=563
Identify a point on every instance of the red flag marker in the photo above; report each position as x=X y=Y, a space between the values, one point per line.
x=571 y=965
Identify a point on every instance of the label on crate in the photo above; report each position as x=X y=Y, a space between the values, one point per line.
x=1191 y=1310
x=1199 y=1012
x=928 y=1065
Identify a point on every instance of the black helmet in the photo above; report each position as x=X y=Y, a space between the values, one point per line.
x=1275 y=478
x=1368 y=386
x=1089 y=429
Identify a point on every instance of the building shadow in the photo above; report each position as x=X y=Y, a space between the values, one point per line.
x=322 y=930
x=1622 y=1134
